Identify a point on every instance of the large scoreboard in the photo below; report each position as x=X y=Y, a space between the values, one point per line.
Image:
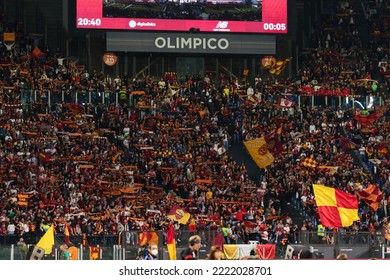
x=225 y=16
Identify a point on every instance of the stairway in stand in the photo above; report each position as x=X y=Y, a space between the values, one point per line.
x=239 y=154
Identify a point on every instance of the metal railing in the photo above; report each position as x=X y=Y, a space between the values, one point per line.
x=126 y=246
x=51 y=98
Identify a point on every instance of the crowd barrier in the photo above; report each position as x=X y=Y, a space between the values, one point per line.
x=358 y=245
x=113 y=98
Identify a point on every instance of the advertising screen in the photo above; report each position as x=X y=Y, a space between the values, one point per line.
x=231 y=16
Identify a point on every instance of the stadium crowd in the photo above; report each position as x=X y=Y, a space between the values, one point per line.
x=100 y=169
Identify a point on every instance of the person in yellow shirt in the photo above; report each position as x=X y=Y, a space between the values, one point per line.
x=209 y=194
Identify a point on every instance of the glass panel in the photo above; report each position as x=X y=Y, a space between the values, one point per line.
x=55 y=97
x=82 y=97
x=333 y=101
x=141 y=66
x=27 y=96
x=211 y=68
x=306 y=100
x=96 y=97
x=190 y=66
x=319 y=100
x=69 y=96
x=238 y=68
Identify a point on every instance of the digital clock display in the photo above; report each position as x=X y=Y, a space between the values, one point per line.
x=89 y=22
x=250 y=16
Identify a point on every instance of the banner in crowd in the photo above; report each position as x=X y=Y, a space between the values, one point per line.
x=367 y=120
x=347 y=144
x=67 y=236
x=325 y=91
x=268 y=62
x=23 y=199
x=171 y=243
x=273 y=144
x=149 y=123
x=259 y=152
x=243 y=251
x=94 y=253
x=310 y=162
x=36 y=53
x=9 y=36
x=178 y=214
x=266 y=251
x=284 y=102
x=148 y=237
x=372 y=196
x=47 y=240
x=383 y=148
x=335 y=207
x=279 y=66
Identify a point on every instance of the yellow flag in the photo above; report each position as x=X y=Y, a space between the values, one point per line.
x=231 y=251
x=9 y=36
x=259 y=152
x=47 y=240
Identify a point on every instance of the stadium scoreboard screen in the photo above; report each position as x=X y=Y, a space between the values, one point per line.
x=232 y=16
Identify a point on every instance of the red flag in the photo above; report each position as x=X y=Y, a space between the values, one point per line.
x=266 y=251
x=367 y=120
x=382 y=148
x=347 y=144
x=372 y=196
x=75 y=108
x=273 y=144
x=37 y=53
x=219 y=239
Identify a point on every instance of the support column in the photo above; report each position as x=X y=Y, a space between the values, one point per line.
x=163 y=65
x=134 y=70
x=217 y=71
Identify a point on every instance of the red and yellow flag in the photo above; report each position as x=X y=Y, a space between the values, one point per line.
x=310 y=162
x=148 y=237
x=279 y=66
x=372 y=196
x=335 y=207
x=171 y=242
x=178 y=214
x=347 y=144
x=66 y=233
x=94 y=253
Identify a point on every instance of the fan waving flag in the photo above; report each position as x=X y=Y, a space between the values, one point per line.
x=259 y=152
x=372 y=196
x=310 y=162
x=263 y=149
x=284 y=102
x=367 y=120
x=347 y=144
x=335 y=207
x=273 y=144
x=178 y=214
x=279 y=66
